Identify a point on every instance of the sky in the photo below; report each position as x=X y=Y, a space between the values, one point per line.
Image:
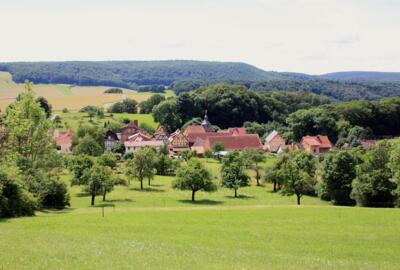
x=309 y=36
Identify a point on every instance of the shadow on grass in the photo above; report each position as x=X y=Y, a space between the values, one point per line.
x=119 y=200
x=241 y=196
x=148 y=189
x=56 y=211
x=104 y=204
x=201 y=202
x=82 y=194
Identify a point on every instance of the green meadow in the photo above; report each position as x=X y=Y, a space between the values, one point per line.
x=73 y=120
x=159 y=228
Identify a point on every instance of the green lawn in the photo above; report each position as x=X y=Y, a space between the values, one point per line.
x=74 y=119
x=159 y=228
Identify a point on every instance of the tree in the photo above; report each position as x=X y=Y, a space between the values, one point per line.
x=373 y=186
x=233 y=172
x=107 y=159
x=15 y=200
x=30 y=151
x=125 y=106
x=218 y=147
x=148 y=105
x=98 y=180
x=79 y=165
x=28 y=129
x=166 y=113
x=297 y=181
x=142 y=165
x=163 y=164
x=337 y=173
x=394 y=165
x=192 y=175
x=45 y=105
x=88 y=146
x=253 y=158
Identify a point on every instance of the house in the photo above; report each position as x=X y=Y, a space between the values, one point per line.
x=110 y=140
x=316 y=144
x=139 y=137
x=178 y=142
x=132 y=146
x=128 y=130
x=161 y=134
x=231 y=143
x=274 y=142
x=63 y=140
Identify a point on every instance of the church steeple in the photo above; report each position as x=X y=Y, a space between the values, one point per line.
x=206 y=124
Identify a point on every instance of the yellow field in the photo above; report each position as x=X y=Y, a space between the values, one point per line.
x=65 y=96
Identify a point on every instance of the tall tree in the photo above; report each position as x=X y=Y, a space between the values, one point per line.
x=373 y=186
x=142 y=165
x=98 y=180
x=192 y=175
x=338 y=170
x=394 y=165
x=253 y=158
x=297 y=181
x=233 y=172
x=28 y=129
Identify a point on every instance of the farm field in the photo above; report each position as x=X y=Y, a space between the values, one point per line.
x=72 y=120
x=66 y=96
x=159 y=228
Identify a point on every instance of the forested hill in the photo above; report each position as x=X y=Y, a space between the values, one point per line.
x=131 y=73
x=185 y=75
x=363 y=76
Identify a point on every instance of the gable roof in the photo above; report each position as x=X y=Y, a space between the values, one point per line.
x=238 y=142
x=272 y=135
x=320 y=141
x=237 y=131
x=137 y=135
x=110 y=135
x=194 y=129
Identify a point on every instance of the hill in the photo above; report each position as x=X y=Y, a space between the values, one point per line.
x=186 y=75
x=363 y=76
x=128 y=74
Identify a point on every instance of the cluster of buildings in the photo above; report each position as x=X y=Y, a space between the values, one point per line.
x=198 y=138
x=275 y=143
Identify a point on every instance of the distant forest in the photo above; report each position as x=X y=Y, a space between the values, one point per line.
x=183 y=76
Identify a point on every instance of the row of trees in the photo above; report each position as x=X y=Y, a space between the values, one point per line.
x=347 y=177
x=232 y=105
x=28 y=160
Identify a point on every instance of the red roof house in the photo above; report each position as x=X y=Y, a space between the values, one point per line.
x=129 y=130
x=63 y=140
x=316 y=144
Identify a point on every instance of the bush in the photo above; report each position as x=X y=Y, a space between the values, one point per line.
x=125 y=106
x=15 y=200
x=54 y=194
x=113 y=91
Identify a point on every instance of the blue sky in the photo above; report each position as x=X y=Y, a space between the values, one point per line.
x=311 y=36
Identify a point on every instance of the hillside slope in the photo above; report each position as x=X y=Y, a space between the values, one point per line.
x=363 y=76
x=130 y=73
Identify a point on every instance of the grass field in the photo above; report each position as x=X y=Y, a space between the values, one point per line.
x=66 y=96
x=159 y=228
x=72 y=120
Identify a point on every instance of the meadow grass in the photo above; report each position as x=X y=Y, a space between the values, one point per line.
x=73 y=120
x=159 y=228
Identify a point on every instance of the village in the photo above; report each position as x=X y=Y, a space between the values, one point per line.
x=199 y=139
